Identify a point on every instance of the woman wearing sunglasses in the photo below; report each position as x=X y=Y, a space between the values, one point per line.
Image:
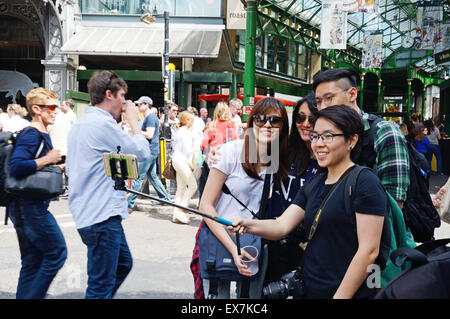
x=338 y=252
x=285 y=255
x=242 y=168
x=42 y=245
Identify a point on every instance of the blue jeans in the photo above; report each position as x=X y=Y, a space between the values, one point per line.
x=109 y=258
x=42 y=246
x=148 y=168
x=437 y=152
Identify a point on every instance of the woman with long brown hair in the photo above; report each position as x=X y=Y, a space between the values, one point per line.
x=242 y=167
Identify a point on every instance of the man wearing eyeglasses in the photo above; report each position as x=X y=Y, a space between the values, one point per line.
x=97 y=208
x=384 y=146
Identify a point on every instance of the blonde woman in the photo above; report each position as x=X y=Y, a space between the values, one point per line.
x=16 y=121
x=220 y=129
x=182 y=158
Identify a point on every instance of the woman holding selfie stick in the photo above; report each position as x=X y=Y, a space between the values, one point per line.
x=337 y=255
x=242 y=168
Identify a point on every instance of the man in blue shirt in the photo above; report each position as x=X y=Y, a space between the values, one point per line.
x=150 y=129
x=97 y=208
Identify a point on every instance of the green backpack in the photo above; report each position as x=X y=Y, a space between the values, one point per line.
x=399 y=236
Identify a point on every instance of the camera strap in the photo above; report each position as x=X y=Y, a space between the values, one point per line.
x=312 y=231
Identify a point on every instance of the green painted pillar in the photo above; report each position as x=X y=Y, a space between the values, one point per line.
x=409 y=97
x=424 y=97
x=361 y=93
x=249 y=69
x=233 y=86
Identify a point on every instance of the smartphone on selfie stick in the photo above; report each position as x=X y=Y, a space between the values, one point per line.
x=121 y=167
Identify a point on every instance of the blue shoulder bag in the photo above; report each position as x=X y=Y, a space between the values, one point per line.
x=215 y=260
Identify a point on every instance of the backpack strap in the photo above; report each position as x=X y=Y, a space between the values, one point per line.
x=350 y=187
x=41 y=140
x=416 y=257
x=431 y=245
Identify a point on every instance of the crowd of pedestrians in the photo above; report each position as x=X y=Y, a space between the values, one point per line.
x=263 y=163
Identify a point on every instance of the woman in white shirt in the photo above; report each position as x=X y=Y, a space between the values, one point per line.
x=242 y=168
x=16 y=122
x=182 y=159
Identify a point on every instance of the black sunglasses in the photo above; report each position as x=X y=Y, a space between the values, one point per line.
x=261 y=119
x=301 y=117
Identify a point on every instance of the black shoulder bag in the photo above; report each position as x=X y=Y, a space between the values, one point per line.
x=44 y=184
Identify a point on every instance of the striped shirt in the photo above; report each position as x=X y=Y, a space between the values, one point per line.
x=392 y=162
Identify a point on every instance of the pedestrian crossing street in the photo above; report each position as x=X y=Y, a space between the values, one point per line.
x=64 y=221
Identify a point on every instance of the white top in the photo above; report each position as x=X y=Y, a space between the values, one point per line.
x=248 y=190
x=197 y=130
x=237 y=123
x=15 y=123
x=434 y=136
x=59 y=132
x=3 y=118
x=71 y=116
x=183 y=144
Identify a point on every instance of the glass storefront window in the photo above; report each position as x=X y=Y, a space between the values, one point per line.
x=259 y=50
x=302 y=59
x=270 y=57
x=181 y=8
x=274 y=53
x=281 y=55
x=240 y=45
x=292 y=62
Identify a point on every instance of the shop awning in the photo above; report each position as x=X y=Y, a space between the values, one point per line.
x=184 y=41
x=225 y=97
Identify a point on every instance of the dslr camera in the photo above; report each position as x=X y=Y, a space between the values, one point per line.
x=291 y=284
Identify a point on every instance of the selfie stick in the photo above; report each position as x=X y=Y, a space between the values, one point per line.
x=120 y=185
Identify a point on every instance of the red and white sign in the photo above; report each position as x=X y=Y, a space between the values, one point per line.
x=247 y=109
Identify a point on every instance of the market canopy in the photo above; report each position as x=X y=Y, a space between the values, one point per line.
x=201 y=42
x=396 y=20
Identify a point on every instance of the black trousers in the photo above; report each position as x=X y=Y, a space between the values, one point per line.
x=283 y=258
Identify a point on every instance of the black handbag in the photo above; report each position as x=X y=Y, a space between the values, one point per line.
x=44 y=184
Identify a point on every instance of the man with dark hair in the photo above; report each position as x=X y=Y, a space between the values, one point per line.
x=384 y=146
x=97 y=208
x=150 y=130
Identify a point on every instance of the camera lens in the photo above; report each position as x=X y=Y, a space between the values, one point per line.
x=276 y=290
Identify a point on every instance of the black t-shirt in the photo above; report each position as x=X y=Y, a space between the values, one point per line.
x=335 y=242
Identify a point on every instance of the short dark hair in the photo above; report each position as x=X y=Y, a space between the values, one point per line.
x=102 y=81
x=348 y=121
x=335 y=75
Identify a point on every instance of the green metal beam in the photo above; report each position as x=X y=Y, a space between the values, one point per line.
x=250 y=48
